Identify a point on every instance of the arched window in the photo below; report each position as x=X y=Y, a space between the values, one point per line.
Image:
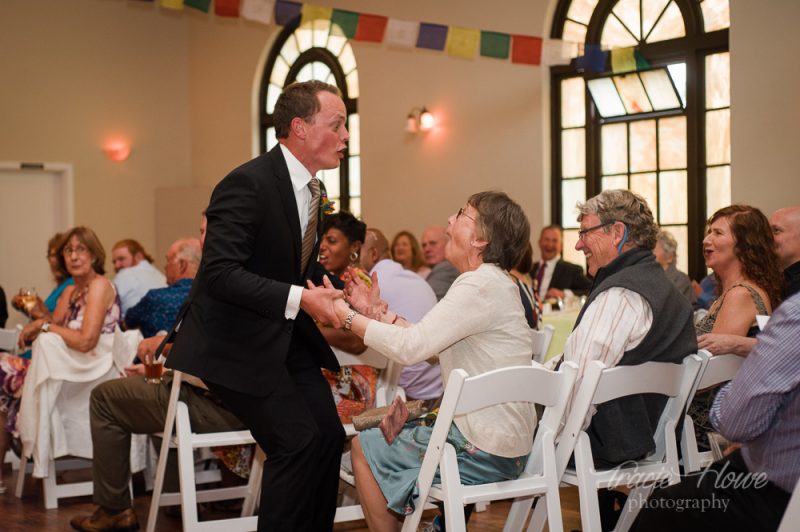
x=662 y=131
x=313 y=51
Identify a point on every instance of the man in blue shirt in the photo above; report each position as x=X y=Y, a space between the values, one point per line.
x=157 y=310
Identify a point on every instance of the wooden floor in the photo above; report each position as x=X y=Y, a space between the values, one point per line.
x=28 y=514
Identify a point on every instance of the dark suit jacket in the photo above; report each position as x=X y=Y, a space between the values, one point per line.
x=567 y=276
x=233 y=330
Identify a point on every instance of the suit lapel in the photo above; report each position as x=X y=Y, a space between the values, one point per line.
x=286 y=191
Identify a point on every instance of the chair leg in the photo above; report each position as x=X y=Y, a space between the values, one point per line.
x=23 y=470
x=254 y=483
x=451 y=489
x=186 y=468
x=633 y=504
x=539 y=516
x=587 y=491
x=518 y=513
x=50 y=488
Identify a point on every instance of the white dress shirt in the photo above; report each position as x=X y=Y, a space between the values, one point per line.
x=134 y=282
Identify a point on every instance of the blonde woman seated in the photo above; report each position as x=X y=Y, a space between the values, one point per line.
x=478 y=326
x=405 y=250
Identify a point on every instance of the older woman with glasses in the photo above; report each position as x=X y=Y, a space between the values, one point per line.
x=85 y=313
x=478 y=326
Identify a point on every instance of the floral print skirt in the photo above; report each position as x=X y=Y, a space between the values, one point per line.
x=12 y=376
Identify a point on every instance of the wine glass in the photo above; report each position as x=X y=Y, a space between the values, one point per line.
x=28 y=297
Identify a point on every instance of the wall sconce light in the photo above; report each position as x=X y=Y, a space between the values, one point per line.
x=420 y=119
x=117 y=150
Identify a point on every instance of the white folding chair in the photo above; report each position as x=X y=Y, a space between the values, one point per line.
x=792 y=514
x=718 y=369
x=186 y=442
x=466 y=394
x=9 y=339
x=676 y=381
x=386 y=390
x=541 y=342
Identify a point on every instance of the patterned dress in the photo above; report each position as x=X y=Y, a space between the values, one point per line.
x=14 y=368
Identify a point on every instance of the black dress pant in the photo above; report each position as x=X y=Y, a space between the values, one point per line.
x=723 y=497
x=298 y=428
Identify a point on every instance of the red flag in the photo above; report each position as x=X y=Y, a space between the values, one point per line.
x=226 y=8
x=526 y=50
x=370 y=28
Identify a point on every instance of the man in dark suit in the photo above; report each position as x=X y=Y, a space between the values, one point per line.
x=553 y=275
x=248 y=327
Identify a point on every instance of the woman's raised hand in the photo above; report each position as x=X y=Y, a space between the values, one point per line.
x=364 y=297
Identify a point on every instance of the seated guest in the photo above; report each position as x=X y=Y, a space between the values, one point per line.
x=405 y=250
x=442 y=272
x=740 y=249
x=135 y=272
x=750 y=488
x=666 y=255
x=43 y=309
x=555 y=276
x=478 y=326
x=158 y=308
x=530 y=300
x=80 y=329
x=410 y=296
x=705 y=292
x=353 y=387
x=122 y=407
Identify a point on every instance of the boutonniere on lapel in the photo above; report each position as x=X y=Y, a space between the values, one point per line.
x=325 y=205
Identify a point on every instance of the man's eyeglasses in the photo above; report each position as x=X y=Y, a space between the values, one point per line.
x=463 y=211
x=583 y=232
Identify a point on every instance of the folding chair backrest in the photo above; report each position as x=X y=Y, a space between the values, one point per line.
x=792 y=514
x=720 y=368
x=541 y=342
x=9 y=339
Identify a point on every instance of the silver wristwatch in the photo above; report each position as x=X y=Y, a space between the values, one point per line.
x=45 y=327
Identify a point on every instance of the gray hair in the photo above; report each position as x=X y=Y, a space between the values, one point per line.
x=503 y=224
x=623 y=206
x=189 y=250
x=668 y=243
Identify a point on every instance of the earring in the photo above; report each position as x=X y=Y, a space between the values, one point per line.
x=353 y=257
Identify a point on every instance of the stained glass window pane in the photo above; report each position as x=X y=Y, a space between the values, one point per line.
x=672 y=142
x=651 y=10
x=573 y=153
x=659 y=88
x=672 y=197
x=670 y=26
x=632 y=93
x=718 y=137
x=615 y=181
x=628 y=13
x=352 y=84
x=718 y=80
x=606 y=97
x=643 y=146
x=572 y=191
x=336 y=41
x=321 y=30
x=678 y=73
x=306 y=73
x=290 y=52
x=581 y=10
x=354 y=175
x=573 y=102
x=304 y=37
x=347 y=59
x=646 y=186
x=615 y=35
x=272 y=141
x=570 y=253
x=355 y=207
x=716 y=14
x=331 y=179
x=718 y=188
x=574 y=32
x=354 y=128
x=614 y=141
x=272 y=96
x=681 y=234
x=279 y=71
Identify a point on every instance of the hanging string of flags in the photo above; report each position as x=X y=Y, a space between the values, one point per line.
x=465 y=43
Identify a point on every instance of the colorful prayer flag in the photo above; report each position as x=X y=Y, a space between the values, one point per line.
x=172 y=4
x=347 y=21
x=258 y=10
x=226 y=8
x=286 y=12
x=311 y=12
x=558 y=52
x=622 y=60
x=370 y=28
x=432 y=36
x=401 y=33
x=202 y=5
x=594 y=58
x=641 y=62
x=494 y=44
x=526 y=50
x=463 y=42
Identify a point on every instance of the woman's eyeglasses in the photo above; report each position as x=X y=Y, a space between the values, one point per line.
x=463 y=211
x=78 y=250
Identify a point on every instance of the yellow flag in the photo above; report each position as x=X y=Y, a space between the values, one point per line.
x=463 y=42
x=172 y=4
x=622 y=60
x=311 y=12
